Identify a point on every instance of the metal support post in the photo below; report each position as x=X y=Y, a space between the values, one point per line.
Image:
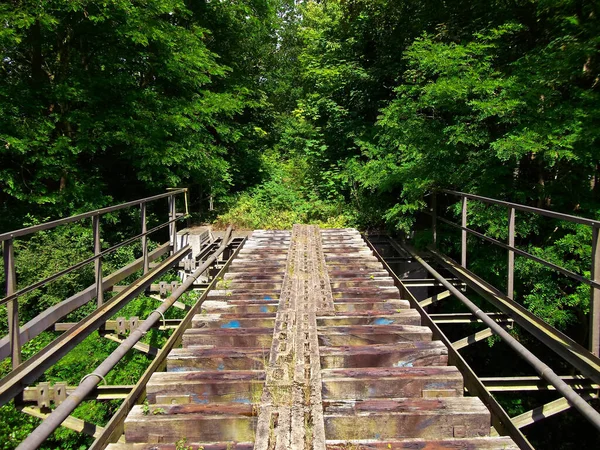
x=463 y=240
x=595 y=294
x=145 y=262
x=434 y=218
x=10 y=277
x=510 y=288
x=172 y=226
x=98 y=261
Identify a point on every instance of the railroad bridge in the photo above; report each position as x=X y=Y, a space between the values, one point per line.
x=300 y=339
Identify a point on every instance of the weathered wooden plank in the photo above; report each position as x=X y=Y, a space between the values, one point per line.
x=210 y=423
x=207 y=387
x=198 y=358
x=371 y=334
x=229 y=337
x=403 y=317
x=389 y=382
x=401 y=354
x=480 y=443
x=187 y=445
x=412 y=417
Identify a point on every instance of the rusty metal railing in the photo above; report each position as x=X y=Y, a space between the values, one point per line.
x=7 y=239
x=89 y=382
x=593 y=281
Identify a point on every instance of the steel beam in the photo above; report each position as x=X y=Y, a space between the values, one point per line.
x=535 y=383
x=88 y=383
x=542 y=369
x=34 y=367
x=566 y=272
x=113 y=325
x=472 y=339
x=98 y=261
x=463 y=233
x=434 y=218
x=428 y=282
x=145 y=259
x=435 y=298
x=459 y=318
x=72 y=423
x=79 y=265
x=48 y=225
x=531 y=209
x=594 y=339
x=547 y=410
x=12 y=308
x=510 y=286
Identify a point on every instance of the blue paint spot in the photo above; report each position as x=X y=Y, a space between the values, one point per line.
x=203 y=400
x=403 y=364
x=232 y=324
x=267 y=297
x=382 y=321
x=245 y=401
x=264 y=309
x=221 y=367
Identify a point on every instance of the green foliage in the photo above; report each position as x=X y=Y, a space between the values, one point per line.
x=283 y=200
x=94 y=96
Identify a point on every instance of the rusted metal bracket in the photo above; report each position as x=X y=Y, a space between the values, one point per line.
x=44 y=393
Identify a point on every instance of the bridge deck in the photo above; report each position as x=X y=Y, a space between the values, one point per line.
x=306 y=344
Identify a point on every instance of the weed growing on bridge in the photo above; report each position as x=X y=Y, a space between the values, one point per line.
x=181 y=445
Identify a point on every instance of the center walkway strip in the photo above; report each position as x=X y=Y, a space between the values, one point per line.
x=291 y=410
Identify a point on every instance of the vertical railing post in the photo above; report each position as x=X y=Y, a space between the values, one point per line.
x=434 y=218
x=173 y=226
x=595 y=294
x=98 y=261
x=144 y=238
x=463 y=240
x=10 y=276
x=510 y=288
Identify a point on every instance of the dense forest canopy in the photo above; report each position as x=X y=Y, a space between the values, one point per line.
x=345 y=110
x=336 y=112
